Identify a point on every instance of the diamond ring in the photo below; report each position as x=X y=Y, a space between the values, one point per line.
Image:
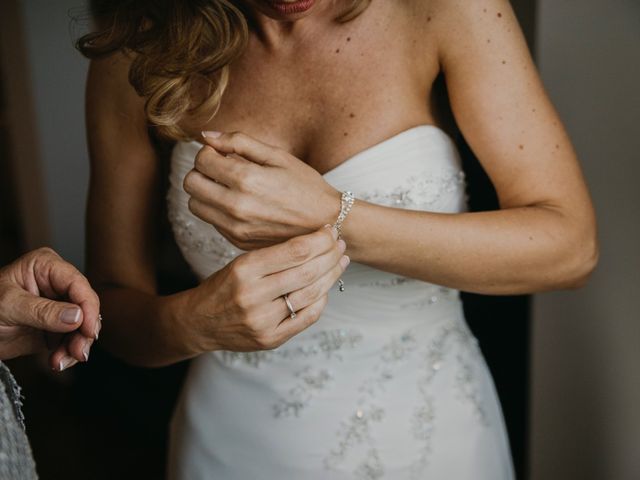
x=289 y=306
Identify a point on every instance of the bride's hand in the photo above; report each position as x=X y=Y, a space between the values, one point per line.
x=241 y=307
x=256 y=194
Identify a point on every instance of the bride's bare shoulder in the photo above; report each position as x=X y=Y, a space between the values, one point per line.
x=456 y=16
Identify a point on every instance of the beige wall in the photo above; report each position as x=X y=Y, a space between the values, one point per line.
x=586 y=353
x=57 y=81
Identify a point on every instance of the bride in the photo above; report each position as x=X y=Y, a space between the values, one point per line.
x=314 y=113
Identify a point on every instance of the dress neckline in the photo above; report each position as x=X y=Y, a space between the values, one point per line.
x=400 y=136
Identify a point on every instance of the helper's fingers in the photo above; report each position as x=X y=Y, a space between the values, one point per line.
x=79 y=346
x=43 y=314
x=248 y=147
x=293 y=252
x=60 y=359
x=66 y=281
x=32 y=342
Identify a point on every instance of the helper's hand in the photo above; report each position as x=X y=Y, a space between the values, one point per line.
x=256 y=194
x=45 y=302
x=241 y=307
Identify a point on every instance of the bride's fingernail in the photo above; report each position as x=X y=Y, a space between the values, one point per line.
x=66 y=362
x=345 y=261
x=211 y=134
x=342 y=246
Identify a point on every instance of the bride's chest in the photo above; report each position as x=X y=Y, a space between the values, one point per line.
x=327 y=103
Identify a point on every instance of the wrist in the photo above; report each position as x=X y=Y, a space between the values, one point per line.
x=330 y=209
x=347 y=200
x=358 y=234
x=174 y=311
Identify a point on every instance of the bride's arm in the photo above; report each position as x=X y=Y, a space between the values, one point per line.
x=121 y=216
x=237 y=308
x=542 y=238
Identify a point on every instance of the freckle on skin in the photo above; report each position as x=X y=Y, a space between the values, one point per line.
x=428 y=19
x=348 y=39
x=521 y=147
x=337 y=50
x=499 y=15
x=352 y=115
x=346 y=134
x=504 y=62
x=557 y=147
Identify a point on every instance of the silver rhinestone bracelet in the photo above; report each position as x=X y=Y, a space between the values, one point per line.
x=346 y=203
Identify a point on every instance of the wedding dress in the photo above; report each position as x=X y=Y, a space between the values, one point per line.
x=388 y=384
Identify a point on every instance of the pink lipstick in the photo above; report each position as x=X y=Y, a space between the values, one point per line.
x=289 y=8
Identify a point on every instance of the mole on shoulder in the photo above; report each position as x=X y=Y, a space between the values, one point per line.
x=346 y=134
x=348 y=39
x=337 y=50
x=499 y=15
x=428 y=19
x=504 y=62
x=521 y=147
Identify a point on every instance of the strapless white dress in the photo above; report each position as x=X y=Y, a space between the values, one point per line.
x=388 y=384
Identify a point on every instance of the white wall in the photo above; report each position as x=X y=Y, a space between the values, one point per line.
x=586 y=365
x=58 y=73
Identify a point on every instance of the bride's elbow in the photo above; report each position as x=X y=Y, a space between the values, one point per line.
x=580 y=262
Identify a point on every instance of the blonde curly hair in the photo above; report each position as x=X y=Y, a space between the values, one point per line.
x=181 y=51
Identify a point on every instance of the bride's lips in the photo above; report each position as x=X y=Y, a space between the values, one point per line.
x=288 y=8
